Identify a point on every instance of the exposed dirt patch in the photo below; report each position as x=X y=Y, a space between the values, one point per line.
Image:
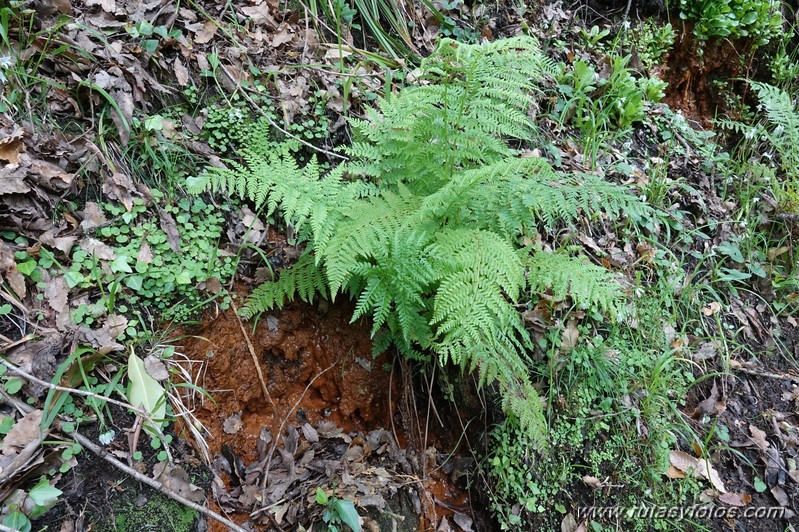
x=698 y=81
x=335 y=413
x=294 y=347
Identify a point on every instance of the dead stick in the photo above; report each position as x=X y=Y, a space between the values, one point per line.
x=158 y=486
x=767 y=374
x=254 y=356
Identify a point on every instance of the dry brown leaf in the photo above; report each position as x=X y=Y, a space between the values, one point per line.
x=260 y=15
x=205 y=33
x=109 y=6
x=782 y=497
x=170 y=227
x=11 y=147
x=592 y=482
x=93 y=216
x=119 y=187
x=9 y=272
x=63 y=244
x=570 y=336
x=181 y=73
x=673 y=472
x=98 y=249
x=711 y=309
x=56 y=293
x=175 y=479
x=155 y=368
x=145 y=253
x=698 y=467
x=22 y=433
x=759 y=437
x=735 y=499
x=712 y=405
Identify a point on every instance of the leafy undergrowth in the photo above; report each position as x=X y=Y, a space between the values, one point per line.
x=620 y=279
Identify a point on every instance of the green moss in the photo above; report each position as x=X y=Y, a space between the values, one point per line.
x=159 y=513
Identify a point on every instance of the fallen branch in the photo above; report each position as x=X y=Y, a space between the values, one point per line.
x=158 y=486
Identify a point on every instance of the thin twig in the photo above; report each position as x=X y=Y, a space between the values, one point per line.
x=767 y=374
x=156 y=485
x=280 y=431
x=267 y=396
x=51 y=386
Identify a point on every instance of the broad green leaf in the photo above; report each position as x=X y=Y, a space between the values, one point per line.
x=44 y=493
x=120 y=264
x=321 y=496
x=17 y=521
x=73 y=279
x=27 y=267
x=134 y=282
x=144 y=391
x=347 y=513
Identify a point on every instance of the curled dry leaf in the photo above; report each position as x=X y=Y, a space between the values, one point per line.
x=593 y=482
x=98 y=249
x=711 y=309
x=735 y=499
x=759 y=438
x=698 y=467
x=22 y=433
x=155 y=368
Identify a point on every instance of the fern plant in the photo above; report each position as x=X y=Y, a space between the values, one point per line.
x=779 y=131
x=425 y=226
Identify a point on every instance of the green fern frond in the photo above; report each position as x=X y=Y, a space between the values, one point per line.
x=304 y=280
x=589 y=285
x=427 y=245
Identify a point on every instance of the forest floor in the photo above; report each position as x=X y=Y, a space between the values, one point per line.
x=289 y=422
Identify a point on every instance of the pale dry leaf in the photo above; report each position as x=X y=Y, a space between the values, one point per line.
x=155 y=368
x=181 y=73
x=592 y=482
x=569 y=523
x=205 y=33
x=711 y=309
x=175 y=479
x=463 y=521
x=56 y=293
x=119 y=187
x=782 y=497
x=98 y=249
x=170 y=227
x=63 y=243
x=145 y=253
x=22 y=433
x=712 y=405
x=735 y=499
x=698 y=467
x=758 y=437
x=10 y=148
x=109 y=6
x=93 y=216
x=570 y=336
x=260 y=15
x=673 y=472
x=232 y=424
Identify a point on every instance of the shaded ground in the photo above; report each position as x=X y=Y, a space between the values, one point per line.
x=335 y=417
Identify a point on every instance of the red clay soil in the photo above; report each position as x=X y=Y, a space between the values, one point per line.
x=691 y=76
x=293 y=346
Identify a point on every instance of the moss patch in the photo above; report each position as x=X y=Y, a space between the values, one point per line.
x=155 y=512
